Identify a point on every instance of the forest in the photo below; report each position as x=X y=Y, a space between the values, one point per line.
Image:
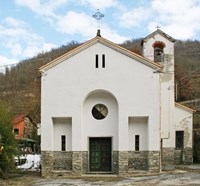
x=20 y=84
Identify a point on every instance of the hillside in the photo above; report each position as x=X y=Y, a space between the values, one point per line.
x=20 y=85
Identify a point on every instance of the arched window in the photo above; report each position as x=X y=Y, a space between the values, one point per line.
x=158 y=51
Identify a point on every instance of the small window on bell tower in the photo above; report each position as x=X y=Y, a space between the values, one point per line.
x=159 y=51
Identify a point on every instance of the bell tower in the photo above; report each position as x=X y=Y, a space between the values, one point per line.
x=159 y=47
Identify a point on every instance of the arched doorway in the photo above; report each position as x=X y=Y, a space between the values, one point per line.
x=100 y=130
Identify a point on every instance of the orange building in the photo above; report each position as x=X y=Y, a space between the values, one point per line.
x=22 y=127
x=18 y=127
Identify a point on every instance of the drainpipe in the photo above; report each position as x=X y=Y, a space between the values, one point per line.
x=161 y=151
x=160 y=157
x=161 y=140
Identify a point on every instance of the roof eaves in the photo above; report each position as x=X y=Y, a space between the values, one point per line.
x=68 y=54
x=107 y=43
x=185 y=107
x=131 y=54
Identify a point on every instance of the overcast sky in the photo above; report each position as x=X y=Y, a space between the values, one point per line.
x=29 y=27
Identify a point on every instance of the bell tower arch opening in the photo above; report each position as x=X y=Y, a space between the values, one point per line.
x=159 y=51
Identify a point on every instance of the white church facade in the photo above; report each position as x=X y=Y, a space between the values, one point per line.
x=105 y=109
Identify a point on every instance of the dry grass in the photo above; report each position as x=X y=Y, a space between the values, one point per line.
x=20 y=179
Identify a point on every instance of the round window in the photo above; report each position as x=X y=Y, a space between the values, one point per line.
x=99 y=111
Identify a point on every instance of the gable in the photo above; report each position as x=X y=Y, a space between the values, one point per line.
x=18 y=119
x=159 y=32
x=107 y=43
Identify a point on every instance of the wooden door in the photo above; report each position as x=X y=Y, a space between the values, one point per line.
x=100 y=154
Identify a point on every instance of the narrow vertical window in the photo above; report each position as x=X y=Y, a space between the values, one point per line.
x=63 y=143
x=179 y=139
x=103 y=60
x=97 y=61
x=137 y=142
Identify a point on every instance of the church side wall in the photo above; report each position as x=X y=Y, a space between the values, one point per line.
x=172 y=156
x=184 y=122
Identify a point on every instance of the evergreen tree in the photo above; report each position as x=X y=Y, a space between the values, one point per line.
x=7 y=142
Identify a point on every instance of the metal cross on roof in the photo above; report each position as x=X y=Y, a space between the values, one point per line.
x=98 y=16
x=157 y=27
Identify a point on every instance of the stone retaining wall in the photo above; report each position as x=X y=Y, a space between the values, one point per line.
x=153 y=161
x=115 y=166
x=138 y=160
x=183 y=156
x=85 y=162
x=168 y=155
x=62 y=161
x=77 y=163
x=122 y=162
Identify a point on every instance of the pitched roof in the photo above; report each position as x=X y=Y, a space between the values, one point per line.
x=99 y=39
x=18 y=119
x=158 y=31
x=183 y=107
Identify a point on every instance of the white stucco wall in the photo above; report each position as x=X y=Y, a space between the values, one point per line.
x=138 y=126
x=184 y=122
x=66 y=86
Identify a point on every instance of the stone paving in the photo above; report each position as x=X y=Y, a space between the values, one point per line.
x=183 y=175
x=177 y=177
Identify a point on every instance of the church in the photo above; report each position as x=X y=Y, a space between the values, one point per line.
x=107 y=110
